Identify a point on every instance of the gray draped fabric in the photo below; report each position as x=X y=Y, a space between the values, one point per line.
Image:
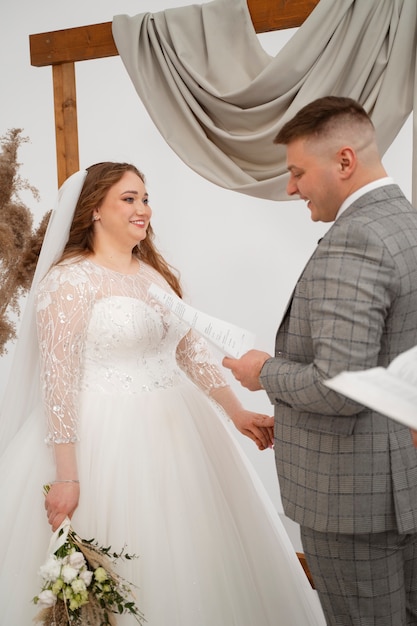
x=219 y=99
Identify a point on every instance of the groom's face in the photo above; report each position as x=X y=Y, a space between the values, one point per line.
x=315 y=177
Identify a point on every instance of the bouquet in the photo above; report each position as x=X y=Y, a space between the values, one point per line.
x=80 y=586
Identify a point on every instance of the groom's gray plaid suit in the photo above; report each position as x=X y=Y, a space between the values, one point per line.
x=343 y=468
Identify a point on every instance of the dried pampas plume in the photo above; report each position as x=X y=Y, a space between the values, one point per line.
x=20 y=244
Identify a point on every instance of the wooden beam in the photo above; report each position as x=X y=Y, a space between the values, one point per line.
x=270 y=15
x=95 y=41
x=72 y=44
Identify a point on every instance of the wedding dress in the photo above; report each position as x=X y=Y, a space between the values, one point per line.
x=160 y=473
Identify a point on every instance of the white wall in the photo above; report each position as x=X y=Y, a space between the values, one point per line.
x=239 y=257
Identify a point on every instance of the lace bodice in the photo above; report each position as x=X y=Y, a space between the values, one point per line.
x=99 y=330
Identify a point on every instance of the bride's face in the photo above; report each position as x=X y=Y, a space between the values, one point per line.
x=124 y=214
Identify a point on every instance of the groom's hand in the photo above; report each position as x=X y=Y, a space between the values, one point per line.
x=247 y=369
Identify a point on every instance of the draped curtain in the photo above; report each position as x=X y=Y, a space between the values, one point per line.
x=219 y=99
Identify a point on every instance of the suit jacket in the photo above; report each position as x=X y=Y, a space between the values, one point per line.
x=342 y=467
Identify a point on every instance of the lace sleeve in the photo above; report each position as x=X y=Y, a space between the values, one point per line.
x=196 y=360
x=62 y=313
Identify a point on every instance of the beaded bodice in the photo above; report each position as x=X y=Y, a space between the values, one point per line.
x=100 y=331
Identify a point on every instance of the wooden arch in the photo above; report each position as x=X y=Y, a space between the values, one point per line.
x=63 y=48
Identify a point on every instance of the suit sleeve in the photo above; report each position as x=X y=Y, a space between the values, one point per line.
x=336 y=320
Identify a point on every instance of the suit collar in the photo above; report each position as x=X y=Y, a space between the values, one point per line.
x=375 y=184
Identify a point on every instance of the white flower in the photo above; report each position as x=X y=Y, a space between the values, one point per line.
x=76 y=560
x=78 y=585
x=51 y=569
x=68 y=573
x=86 y=575
x=46 y=599
x=100 y=574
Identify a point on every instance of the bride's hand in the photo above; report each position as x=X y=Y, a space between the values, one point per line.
x=256 y=426
x=61 y=502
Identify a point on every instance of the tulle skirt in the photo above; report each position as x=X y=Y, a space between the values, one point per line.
x=161 y=476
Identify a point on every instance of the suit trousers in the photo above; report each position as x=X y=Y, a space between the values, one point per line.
x=364 y=579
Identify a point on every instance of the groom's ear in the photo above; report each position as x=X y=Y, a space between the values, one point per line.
x=347 y=161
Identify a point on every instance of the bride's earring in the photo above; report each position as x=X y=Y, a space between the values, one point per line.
x=95 y=218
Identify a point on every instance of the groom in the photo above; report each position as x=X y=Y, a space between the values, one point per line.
x=348 y=475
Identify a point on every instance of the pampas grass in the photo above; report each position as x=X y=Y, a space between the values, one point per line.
x=20 y=243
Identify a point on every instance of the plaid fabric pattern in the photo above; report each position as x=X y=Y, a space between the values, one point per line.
x=364 y=580
x=343 y=468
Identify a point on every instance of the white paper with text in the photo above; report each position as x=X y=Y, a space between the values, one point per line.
x=230 y=339
x=391 y=391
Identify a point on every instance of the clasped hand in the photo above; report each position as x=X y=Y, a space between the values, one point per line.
x=258 y=427
x=247 y=369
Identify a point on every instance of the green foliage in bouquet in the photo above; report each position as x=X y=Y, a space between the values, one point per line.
x=20 y=244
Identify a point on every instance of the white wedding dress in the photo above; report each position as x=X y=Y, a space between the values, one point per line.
x=159 y=471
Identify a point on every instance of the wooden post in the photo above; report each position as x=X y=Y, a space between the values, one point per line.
x=66 y=127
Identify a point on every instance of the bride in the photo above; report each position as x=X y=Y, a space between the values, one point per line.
x=118 y=406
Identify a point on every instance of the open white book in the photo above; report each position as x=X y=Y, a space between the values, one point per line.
x=391 y=391
x=230 y=339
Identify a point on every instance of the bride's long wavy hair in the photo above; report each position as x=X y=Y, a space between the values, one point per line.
x=100 y=177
